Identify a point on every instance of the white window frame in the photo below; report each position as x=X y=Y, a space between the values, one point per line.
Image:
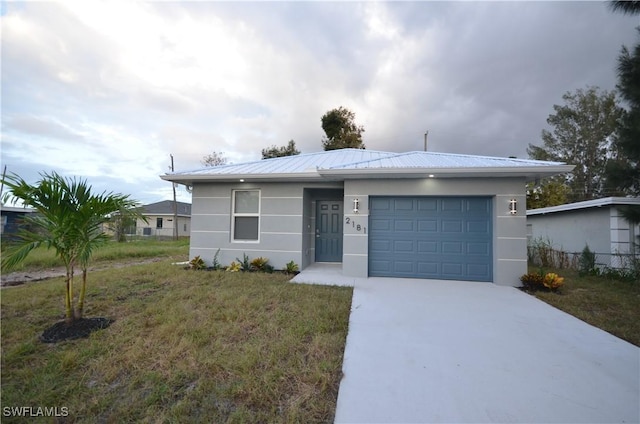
x=235 y=215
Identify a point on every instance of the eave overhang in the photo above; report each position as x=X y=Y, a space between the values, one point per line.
x=530 y=173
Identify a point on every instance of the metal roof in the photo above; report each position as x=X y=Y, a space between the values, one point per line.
x=293 y=164
x=595 y=203
x=358 y=163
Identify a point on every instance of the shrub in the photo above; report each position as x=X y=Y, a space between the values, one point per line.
x=244 y=263
x=215 y=264
x=234 y=267
x=553 y=281
x=259 y=264
x=532 y=281
x=197 y=263
x=548 y=282
x=587 y=262
x=291 y=267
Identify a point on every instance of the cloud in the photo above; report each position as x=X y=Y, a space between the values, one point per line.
x=108 y=90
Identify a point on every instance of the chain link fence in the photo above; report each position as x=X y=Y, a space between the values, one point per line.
x=627 y=265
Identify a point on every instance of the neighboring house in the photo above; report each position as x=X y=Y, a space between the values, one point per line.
x=160 y=219
x=596 y=223
x=12 y=218
x=414 y=214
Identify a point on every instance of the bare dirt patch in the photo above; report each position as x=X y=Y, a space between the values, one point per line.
x=21 y=277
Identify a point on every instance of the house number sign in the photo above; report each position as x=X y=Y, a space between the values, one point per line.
x=352 y=223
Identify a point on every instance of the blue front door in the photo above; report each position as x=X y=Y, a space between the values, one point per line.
x=329 y=231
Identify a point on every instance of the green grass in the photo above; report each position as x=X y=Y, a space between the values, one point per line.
x=611 y=305
x=186 y=346
x=136 y=250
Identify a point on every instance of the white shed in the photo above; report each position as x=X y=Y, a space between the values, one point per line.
x=597 y=223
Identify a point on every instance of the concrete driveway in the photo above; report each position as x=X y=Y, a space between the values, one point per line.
x=424 y=351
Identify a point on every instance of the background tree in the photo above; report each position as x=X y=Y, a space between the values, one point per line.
x=584 y=133
x=122 y=223
x=277 y=152
x=214 y=159
x=69 y=219
x=341 y=130
x=550 y=192
x=624 y=173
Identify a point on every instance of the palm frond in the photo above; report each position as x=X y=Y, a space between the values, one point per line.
x=628 y=7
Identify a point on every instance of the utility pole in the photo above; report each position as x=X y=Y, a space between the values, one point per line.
x=175 y=206
x=4 y=174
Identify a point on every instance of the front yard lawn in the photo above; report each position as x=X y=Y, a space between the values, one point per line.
x=611 y=305
x=185 y=346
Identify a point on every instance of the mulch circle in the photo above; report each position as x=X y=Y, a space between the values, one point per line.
x=77 y=329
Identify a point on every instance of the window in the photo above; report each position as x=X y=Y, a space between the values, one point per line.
x=246 y=215
x=158 y=222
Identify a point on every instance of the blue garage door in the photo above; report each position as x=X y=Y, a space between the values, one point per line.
x=431 y=237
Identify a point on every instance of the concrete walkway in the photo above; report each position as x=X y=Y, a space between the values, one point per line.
x=424 y=351
x=325 y=273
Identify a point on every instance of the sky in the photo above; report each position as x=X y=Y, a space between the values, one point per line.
x=106 y=91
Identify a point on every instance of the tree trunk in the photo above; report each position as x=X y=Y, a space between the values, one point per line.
x=69 y=296
x=83 y=289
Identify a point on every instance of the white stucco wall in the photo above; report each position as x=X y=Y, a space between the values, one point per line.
x=569 y=231
x=287 y=220
x=281 y=225
x=603 y=229
x=184 y=226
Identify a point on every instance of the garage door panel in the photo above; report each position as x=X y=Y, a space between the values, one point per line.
x=404 y=225
x=427 y=247
x=427 y=205
x=452 y=247
x=403 y=246
x=452 y=226
x=478 y=205
x=380 y=224
x=431 y=237
x=474 y=248
x=407 y=267
x=429 y=269
x=452 y=270
x=481 y=227
x=380 y=204
x=382 y=246
x=477 y=270
x=452 y=205
x=427 y=225
x=403 y=205
x=380 y=266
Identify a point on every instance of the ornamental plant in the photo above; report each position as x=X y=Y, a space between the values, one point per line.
x=548 y=282
x=532 y=281
x=553 y=281
x=197 y=263
x=291 y=267
x=259 y=264
x=234 y=267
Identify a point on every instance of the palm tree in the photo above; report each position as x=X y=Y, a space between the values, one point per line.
x=628 y=7
x=69 y=219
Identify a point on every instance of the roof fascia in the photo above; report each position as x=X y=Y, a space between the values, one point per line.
x=191 y=178
x=587 y=204
x=518 y=171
